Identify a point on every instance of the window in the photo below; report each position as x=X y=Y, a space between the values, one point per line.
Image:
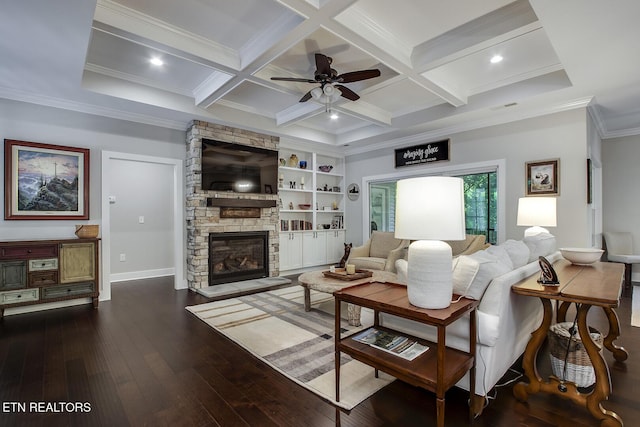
x=481 y=204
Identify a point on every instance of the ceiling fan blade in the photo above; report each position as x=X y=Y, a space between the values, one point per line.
x=293 y=79
x=356 y=76
x=306 y=97
x=348 y=93
x=323 y=65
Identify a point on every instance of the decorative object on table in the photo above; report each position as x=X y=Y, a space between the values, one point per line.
x=351 y=268
x=569 y=359
x=353 y=191
x=428 y=210
x=325 y=188
x=281 y=181
x=283 y=162
x=325 y=168
x=291 y=205
x=543 y=178
x=347 y=251
x=303 y=164
x=548 y=276
x=37 y=173
x=581 y=256
x=292 y=185
x=336 y=189
x=334 y=205
x=87 y=231
x=302 y=183
x=293 y=161
x=326 y=226
x=536 y=212
x=304 y=206
x=344 y=274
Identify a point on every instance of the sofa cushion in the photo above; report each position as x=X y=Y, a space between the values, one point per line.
x=518 y=251
x=370 y=263
x=382 y=243
x=473 y=273
x=541 y=244
x=501 y=253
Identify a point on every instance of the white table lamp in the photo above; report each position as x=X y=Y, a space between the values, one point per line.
x=429 y=210
x=536 y=212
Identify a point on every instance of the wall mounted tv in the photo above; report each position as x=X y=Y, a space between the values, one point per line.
x=238 y=168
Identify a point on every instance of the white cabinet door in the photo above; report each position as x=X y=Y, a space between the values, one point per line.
x=314 y=248
x=290 y=251
x=335 y=245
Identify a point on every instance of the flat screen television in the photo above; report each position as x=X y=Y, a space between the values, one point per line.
x=238 y=168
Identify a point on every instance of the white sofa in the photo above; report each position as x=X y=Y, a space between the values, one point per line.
x=505 y=320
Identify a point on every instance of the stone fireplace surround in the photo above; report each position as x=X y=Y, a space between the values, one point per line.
x=203 y=207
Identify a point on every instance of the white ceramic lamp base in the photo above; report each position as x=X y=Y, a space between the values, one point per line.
x=429 y=276
x=532 y=231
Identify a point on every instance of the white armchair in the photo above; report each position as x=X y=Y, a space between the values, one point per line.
x=619 y=247
x=380 y=252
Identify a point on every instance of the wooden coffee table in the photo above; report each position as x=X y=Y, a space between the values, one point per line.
x=315 y=280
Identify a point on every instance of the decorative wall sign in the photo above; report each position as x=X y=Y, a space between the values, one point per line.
x=425 y=153
x=353 y=191
x=44 y=181
x=240 y=212
x=543 y=178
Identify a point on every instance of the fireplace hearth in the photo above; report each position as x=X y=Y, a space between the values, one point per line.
x=238 y=256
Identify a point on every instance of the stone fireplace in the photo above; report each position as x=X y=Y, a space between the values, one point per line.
x=203 y=210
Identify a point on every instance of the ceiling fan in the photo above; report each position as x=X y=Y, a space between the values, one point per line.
x=330 y=88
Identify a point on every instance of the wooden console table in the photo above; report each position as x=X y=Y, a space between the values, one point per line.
x=597 y=285
x=436 y=370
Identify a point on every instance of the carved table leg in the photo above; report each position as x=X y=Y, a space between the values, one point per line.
x=522 y=390
x=561 y=316
x=602 y=388
x=619 y=353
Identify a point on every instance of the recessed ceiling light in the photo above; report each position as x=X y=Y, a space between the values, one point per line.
x=496 y=58
x=156 y=61
x=334 y=116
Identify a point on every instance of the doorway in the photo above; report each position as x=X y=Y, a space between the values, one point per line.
x=171 y=175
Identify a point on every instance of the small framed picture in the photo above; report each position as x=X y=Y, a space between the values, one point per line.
x=543 y=178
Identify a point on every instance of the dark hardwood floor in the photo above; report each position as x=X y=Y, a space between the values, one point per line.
x=142 y=359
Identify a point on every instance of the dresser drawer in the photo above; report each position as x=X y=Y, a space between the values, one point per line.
x=43 y=278
x=43 y=264
x=62 y=291
x=13 y=275
x=28 y=251
x=16 y=297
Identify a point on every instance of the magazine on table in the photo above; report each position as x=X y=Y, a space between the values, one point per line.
x=393 y=343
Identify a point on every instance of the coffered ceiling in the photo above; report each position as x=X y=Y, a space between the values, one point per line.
x=434 y=56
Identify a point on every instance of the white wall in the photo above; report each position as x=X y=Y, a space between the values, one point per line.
x=29 y=122
x=561 y=135
x=621 y=197
x=141 y=190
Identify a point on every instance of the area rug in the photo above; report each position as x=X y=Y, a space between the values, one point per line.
x=635 y=307
x=274 y=327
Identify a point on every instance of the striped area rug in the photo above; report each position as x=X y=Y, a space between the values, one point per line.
x=274 y=327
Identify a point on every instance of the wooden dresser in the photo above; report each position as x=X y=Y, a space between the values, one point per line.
x=41 y=271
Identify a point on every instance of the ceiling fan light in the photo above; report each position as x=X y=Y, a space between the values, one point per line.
x=316 y=93
x=329 y=90
x=336 y=95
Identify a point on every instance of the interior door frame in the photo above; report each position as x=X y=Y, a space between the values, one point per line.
x=179 y=243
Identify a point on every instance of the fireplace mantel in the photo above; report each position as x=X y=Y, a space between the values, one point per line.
x=224 y=202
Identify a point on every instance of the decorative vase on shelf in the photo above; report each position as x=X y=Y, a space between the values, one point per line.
x=293 y=161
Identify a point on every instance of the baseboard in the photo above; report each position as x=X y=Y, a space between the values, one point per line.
x=145 y=274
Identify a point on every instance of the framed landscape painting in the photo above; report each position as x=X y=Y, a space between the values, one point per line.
x=44 y=181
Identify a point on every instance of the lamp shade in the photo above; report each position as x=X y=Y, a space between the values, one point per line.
x=430 y=208
x=540 y=211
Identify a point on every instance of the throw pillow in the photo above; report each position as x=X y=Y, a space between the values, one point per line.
x=541 y=244
x=517 y=251
x=473 y=273
x=502 y=255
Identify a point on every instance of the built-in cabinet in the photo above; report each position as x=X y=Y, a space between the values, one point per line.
x=311 y=194
x=36 y=272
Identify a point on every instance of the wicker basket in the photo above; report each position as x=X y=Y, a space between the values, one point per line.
x=87 y=231
x=579 y=369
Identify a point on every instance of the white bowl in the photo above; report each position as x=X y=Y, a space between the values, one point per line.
x=581 y=256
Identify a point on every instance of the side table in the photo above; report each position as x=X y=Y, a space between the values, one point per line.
x=437 y=369
x=596 y=285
